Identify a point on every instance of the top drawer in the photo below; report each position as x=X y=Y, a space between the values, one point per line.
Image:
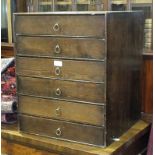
x=61 y=25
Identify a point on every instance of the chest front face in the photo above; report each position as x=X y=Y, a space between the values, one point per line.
x=62 y=68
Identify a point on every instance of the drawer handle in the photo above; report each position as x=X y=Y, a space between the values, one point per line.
x=56 y=27
x=58 y=92
x=57 y=49
x=57 y=71
x=58 y=132
x=58 y=111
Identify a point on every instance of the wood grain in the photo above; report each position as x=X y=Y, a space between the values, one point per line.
x=63 y=110
x=62 y=130
x=124 y=58
x=21 y=6
x=129 y=141
x=147 y=84
x=75 y=48
x=70 y=69
x=70 y=25
x=9 y=147
x=70 y=90
x=7 y=50
x=114 y=81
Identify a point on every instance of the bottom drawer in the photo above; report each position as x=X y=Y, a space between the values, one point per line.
x=62 y=130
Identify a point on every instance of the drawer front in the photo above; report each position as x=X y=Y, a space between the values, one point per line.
x=69 y=25
x=75 y=48
x=65 y=69
x=69 y=90
x=62 y=130
x=63 y=110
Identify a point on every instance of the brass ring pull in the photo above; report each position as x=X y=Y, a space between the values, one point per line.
x=56 y=27
x=58 y=92
x=57 y=71
x=58 y=111
x=57 y=49
x=58 y=132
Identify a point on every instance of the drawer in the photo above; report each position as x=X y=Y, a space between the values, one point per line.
x=75 y=48
x=64 y=69
x=62 y=130
x=60 y=25
x=63 y=110
x=69 y=90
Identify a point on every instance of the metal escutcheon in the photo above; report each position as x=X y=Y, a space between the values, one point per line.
x=58 y=92
x=58 y=132
x=58 y=111
x=56 y=27
x=57 y=49
x=57 y=71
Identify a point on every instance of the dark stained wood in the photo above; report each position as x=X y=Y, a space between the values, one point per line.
x=62 y=129
x=124 y=53
x=7 y=50
x=73 y=70
x=63 y=110
x=76 y=48
x=129 y=141
x=71 y=25
x=135 y=146
x=147 y=89
x=21 y=6
x=114 y=82
x=147 y=117
x=80 y=91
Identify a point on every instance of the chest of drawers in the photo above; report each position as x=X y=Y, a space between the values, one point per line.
x=78 y=74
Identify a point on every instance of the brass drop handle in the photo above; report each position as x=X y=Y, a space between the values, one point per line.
x=58 y=132
x=58 y=92
x=56 y=27
x=58 y=111
x=57 y=71
x=57 y=49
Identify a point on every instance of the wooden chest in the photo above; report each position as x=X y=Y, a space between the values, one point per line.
x=78 y=74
